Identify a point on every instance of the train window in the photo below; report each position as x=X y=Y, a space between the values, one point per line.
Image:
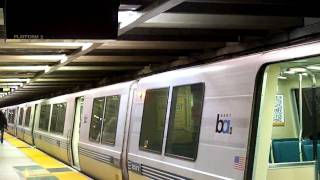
x=20 y=116
x=11 y=116
x=44 y=117
x=27 y=118
x=153 y=119
x=96 y=119
x=110 y=119
x=58 y=117
x=185 y=120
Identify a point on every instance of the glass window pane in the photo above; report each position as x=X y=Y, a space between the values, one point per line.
x=58 y=117
x=44 y=117
x=11 y=115
x=96 y=119
x=27 y=118
x=185 y=120
x=111 y=119
x=153 y=119
x=21 y=116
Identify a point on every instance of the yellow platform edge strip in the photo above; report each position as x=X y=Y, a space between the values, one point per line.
x=43 y=159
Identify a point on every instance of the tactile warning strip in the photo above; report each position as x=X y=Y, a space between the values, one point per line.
x=48 y=168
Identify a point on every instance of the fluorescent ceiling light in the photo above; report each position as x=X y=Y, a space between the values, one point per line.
x=13 y=80
x=11 y=84
x=47 y=69
x=127 y=17
x=22 y=68
x=289 y=72
x=313 y=67
x=86 y=46
x=70 y=44
x=282 y=77
x=64 y=59
x=297 y=69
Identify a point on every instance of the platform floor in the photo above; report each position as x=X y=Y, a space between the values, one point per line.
x=19 y=160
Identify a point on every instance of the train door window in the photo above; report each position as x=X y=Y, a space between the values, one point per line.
x=44 y=117
x=58 y=118
x=21 y=116
x=96 y=119
x=153 y=119
x=185 y=120
x=110 y=119
x=27 y=118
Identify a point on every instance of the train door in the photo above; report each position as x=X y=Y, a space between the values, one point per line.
x=76 y=132
x=288 y=128
x=33 y=120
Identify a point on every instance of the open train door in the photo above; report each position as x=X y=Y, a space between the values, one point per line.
x=287 y=131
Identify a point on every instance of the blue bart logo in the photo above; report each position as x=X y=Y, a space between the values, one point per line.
x=223 y=124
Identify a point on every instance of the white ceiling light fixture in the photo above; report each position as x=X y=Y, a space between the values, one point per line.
x=127 y=17
x=63 y=59
x=282 y=77
x=47 y=69
x=298 y=69
x=86 y=46
x=13 y=80
x=22 y=68
x=289 y=72
x=11 y=84
x=314 y=67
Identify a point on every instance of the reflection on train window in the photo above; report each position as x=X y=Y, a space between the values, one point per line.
x=27 y=118
x=153 y=119
x=20 y=116
x=185 y=120
x=96 y=119
x=58 y=117
x=11 y=116
x=110 y=119
x=44 y=117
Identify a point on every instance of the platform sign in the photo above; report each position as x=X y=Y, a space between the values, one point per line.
x=61 y=19
x=278 y=113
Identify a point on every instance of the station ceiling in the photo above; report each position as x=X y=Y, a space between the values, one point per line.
x=154 y=36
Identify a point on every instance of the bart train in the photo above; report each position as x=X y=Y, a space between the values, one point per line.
x=252 y=117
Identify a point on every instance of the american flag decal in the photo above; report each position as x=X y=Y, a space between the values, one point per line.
x=239 y=163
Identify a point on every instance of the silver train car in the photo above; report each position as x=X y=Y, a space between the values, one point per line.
x=251 y=117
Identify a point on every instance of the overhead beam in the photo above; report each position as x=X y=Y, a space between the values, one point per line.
x=213 y=21
x=46 y=86
x=64 y=79
x=39 y=45
x=98 y=68
x=119 y=59
x=153 y=10
x=140 y=52
x=144 y=44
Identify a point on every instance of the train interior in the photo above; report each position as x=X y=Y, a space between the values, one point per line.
x=289 y=121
